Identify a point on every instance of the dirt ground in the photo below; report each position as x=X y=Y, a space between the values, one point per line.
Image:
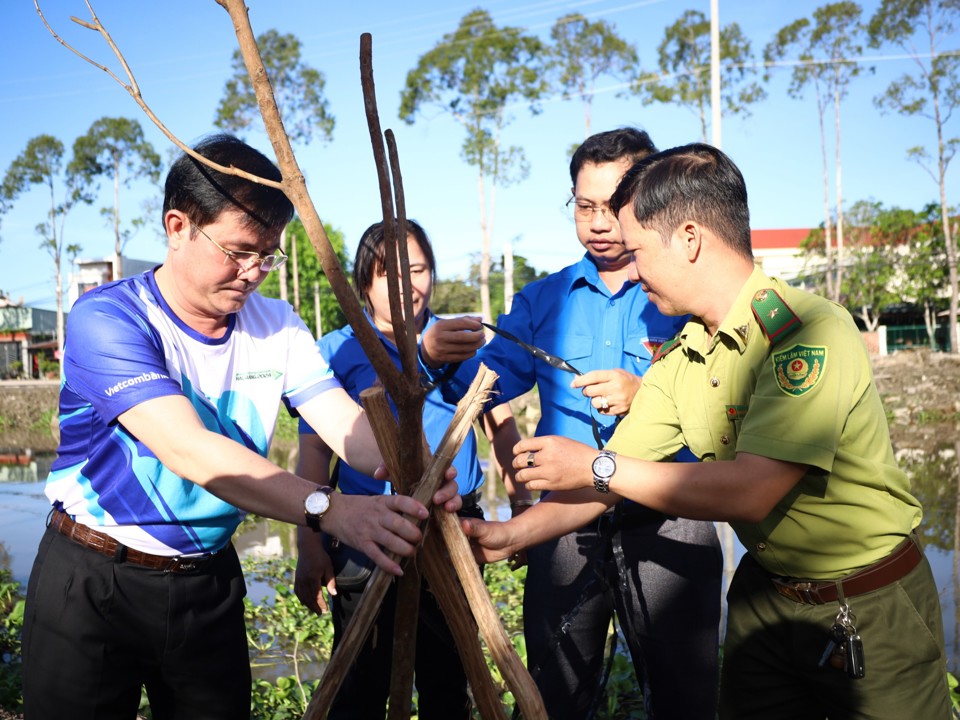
x=920 y=389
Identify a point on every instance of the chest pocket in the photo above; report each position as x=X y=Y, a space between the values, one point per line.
x=639 y=351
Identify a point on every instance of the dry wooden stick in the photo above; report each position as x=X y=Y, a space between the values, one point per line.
x=407 y=605
x=459 y=616
x=450 y=595
x=355 y=634
x=292 y=185
x=514 y=672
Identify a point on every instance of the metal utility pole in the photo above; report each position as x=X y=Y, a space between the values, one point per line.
x=716 y=132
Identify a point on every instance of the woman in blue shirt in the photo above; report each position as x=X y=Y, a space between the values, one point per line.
x=440 y=679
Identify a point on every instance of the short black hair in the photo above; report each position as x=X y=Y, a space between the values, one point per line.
x=371 y=255
x=203 y=194
x=692 y=182
x=625 y=143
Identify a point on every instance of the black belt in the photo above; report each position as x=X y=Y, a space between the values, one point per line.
x=873 y=577
x=106 y=545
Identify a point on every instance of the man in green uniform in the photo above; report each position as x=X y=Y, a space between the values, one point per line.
x=833 y=612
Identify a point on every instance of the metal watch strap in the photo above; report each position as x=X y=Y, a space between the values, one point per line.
x=601 y=483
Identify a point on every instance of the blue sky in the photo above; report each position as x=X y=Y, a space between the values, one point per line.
x=180 y=50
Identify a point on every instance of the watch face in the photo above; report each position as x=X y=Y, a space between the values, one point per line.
x=317 y=503
x=604 y=466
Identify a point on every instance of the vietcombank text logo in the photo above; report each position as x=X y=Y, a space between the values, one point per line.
x=130 y=382
x=799 y=368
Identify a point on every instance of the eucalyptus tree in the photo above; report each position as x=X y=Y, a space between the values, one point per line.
x=683 y=69
x=932 y=91
x=877 y=239
x=473 y=75
x=581 y=53
x=115 y=148
x=42 y=164
x=823 y=53
x=923 y=275
x=299 y=92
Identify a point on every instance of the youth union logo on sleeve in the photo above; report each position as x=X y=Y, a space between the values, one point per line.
x=799 y=368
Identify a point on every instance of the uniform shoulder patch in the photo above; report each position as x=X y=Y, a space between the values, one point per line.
x=774 y=315
x=798 y=369
x=666 y=347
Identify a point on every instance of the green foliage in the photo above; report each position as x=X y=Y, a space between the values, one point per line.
x=310 y=272
x=287 y=428
x=683 y=69
x=582 y=52
x=14 y=369
x=463 y=296
x=954 y=686
x=893 y=255
x=11 y=625
x=283 y=633
x=48 y=366
x=291 y=644
x=473 y=74
x=874 y=245
x=45 y=420
x=622 y=698
x=932 y=91
x=116 y=149
x=42 y=163
x=298 y=89
x=824 y=46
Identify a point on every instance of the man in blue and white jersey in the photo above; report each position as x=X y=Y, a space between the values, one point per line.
x=172 y=382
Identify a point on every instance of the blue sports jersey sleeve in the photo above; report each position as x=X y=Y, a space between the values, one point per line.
x=113 y=359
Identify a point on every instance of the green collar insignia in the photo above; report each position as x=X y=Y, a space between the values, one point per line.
x=669 y=345
x=799 y=368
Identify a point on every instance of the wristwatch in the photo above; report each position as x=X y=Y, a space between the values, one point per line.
x=316 y=506
x=604 y=466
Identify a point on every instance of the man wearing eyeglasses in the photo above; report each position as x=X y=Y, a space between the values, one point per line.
x=661 y=575
x=172 y=382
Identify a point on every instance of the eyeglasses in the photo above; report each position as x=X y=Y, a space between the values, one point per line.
x=246 y=260
x=584 y=211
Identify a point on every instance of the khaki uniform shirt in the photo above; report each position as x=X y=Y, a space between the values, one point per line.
x=810 y=399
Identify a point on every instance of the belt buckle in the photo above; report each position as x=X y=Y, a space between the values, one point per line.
x=181 y=563
x=804 y=593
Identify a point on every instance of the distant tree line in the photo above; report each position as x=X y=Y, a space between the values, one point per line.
x=479 y=72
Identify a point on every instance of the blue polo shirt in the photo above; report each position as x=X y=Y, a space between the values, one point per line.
x=342 y=350
x=571 y=314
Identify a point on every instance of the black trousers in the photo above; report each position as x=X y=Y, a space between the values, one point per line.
x=97 y=631
x=667 y=602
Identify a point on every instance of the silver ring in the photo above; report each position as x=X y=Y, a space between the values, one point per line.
x=531 y=456
x=604 y=405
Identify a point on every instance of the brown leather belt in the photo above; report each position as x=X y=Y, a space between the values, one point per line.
x=873 y=577
x=106 y=545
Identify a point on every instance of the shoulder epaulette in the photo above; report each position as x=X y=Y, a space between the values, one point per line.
x=669 y=345
x=774 y=315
